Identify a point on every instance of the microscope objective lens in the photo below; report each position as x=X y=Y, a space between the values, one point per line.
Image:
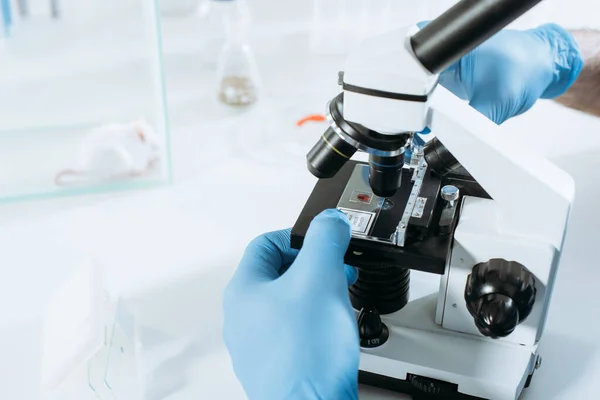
x=385 y=174
x=328 y=155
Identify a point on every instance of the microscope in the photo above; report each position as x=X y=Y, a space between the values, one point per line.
x=485 y=214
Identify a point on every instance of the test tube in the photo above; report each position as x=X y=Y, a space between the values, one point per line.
x=23 y=7
x=55 y=8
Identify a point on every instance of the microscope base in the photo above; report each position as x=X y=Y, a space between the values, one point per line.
x=403 y=386
x=428 y=362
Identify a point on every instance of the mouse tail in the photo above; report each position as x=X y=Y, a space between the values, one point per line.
x=70 y=177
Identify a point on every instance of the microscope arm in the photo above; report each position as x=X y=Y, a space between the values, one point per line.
x=533 y=194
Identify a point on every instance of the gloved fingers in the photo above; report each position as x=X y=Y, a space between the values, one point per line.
x=351 y=274
x=491 y=113
x=265 y=256
x=452 y=78
x=321 y=259
x=568 y=60
x=423 y=23
x=499 y=115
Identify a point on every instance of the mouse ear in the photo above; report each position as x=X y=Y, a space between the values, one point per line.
x=139 y=130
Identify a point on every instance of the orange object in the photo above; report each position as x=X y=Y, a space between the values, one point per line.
x=312 y=118
x=363 y=197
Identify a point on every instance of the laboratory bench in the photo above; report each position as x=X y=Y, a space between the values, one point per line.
x=237 y=174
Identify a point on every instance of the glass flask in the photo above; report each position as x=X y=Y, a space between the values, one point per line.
x=237 y=72
x=177 y=8
x=82 y=100
x=215 y=19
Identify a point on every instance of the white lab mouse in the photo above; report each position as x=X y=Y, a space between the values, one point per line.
x=114 y=152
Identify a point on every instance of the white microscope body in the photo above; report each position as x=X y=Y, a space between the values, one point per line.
x=524 y=222
x=484 y=213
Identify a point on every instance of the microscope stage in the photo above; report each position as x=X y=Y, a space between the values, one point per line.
x=426 y=249
x=428 y=254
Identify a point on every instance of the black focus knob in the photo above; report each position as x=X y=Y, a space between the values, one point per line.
x=371 y=329
x=500 y=295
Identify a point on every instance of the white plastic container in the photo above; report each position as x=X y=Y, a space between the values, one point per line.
x=89 y=343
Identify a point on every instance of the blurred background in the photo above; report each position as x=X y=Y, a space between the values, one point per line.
x=73 y=67
x=183 y=126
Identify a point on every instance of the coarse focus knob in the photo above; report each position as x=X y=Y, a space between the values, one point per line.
x=450 y=193
x=439 y=159
x=500 y=295
x=372 y=331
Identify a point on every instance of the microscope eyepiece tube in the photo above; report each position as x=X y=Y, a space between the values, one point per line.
x=462 y=28
x=329 y=155
x=385 y=174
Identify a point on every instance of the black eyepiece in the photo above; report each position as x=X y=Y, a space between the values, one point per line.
x=329 y=155
x=462 y=28
x=385 y=174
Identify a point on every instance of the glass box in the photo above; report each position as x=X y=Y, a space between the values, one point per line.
x=82 y=98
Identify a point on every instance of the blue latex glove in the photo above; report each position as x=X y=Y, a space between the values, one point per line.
x=507 y=74
x=294 y=335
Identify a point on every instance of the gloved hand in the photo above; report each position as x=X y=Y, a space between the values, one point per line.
x=507 y=74
x=294 y=335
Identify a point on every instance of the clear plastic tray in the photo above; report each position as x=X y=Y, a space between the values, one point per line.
x=90 y=346
x=63 y=80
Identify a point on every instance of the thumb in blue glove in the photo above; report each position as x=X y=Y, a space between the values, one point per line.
x=507 y=74
x=294 y=335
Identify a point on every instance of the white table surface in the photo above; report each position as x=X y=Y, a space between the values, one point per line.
x=173 y=249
